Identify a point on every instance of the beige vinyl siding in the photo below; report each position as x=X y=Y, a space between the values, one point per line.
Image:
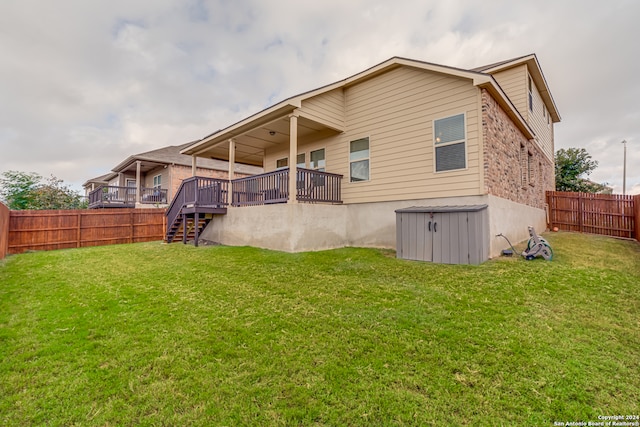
x=326 y=108
x=148 y=178
x=514 y=83
x=396 y=110
x=538 y=122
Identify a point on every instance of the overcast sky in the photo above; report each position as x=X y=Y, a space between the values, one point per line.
x=84 y=84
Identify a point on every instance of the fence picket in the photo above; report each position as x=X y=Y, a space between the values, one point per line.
x=607 y=214
x=49 y=230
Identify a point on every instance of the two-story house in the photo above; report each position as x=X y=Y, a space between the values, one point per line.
x=402 y=133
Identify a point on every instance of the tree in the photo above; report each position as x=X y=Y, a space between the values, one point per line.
x=21 y=190
x=17 y=189
x=573 y=165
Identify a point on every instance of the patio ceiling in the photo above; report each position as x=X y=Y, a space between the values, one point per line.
x=253 y=142
x=145 y=166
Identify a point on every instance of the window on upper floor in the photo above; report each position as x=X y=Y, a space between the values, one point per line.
x=157 y=181
x=359 y=160
x=450 y=143
x=530 y=94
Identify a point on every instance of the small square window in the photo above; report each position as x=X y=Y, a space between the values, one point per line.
x=282 y=163
x=450 y=143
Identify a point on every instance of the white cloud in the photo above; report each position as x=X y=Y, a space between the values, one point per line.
x=106 y=79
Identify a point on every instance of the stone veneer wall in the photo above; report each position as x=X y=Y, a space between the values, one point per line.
x=502 y=170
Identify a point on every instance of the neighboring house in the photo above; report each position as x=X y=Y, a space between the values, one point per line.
x=160 y=173
x=403 y=133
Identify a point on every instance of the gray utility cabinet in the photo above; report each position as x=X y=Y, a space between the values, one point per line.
x=443 y=234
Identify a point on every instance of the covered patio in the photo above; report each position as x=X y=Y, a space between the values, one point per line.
x=281 y=128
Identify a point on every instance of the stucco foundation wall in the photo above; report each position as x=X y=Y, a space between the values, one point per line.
x=306 y=227
x=284 y=227
x=374 y=224
x=511 y=219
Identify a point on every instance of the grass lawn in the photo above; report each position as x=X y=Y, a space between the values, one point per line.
x=153 y=334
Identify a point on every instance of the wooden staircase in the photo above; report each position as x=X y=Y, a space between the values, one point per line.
x=193 y=228
x=198 y=199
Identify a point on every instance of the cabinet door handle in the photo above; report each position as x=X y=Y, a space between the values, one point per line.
x=429 y=226
x=434 y=227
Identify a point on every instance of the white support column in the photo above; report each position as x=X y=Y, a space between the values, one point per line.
x=194 y=165
x=232 y=169
x=293 y=154
x=138 y=186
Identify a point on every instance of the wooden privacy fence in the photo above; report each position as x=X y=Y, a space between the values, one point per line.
x=4 y=230
x=49 y=230
x=606 y=214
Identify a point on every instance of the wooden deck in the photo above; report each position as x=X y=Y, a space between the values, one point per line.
x=273 y=187
x=199 y=198
x=109 y=196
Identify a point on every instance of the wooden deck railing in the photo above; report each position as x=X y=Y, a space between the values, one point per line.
x=266 y=188
x=318 y=187
x=198 y=191
x=153 y=195
x=311 y=186
x=109 y=195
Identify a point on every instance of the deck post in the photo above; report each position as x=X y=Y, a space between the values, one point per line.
x=197 y=226
x=293 y=155
x=232 y=170
x=184 y=229
x=194 y=165
x=138 y=186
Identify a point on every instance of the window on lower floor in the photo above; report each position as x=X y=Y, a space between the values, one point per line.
x=450 y=143
x=282 y=163
x=359 y=160
x=527 y=167
x=301 y=161
x=316 y=160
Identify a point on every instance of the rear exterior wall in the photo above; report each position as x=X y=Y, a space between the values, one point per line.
x=396 y=111
x=506 y=174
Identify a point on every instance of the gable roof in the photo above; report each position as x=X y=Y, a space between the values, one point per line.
x=478 y=77
x=102 y=179
x=535 y=71
x=171 y=155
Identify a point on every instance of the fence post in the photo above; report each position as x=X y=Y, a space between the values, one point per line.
x=78 y=234
x=5 y=213
x=131 y=230
x=636 y=210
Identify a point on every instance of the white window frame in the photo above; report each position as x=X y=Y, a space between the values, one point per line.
x=322 y=169
x=435 y=145
x=304 y=160
x=159 y=184
x=368 y=138
x=286 y=159
x=530 y=91
x=130 y=180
